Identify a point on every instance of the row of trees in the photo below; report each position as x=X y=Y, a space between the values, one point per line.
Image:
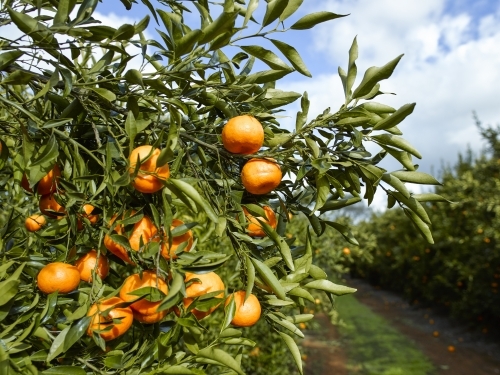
x=461 y=270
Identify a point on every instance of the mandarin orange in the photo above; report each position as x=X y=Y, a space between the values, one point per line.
x=169 y=252
x=208 y=283
x=135 y=282
x=247 y=312
x=260 y=176
x=243 y=135
x=117 y=321
x=149 y=178
x=254 y=227
x=49 y=206
x=89 y=262
x=58 y=276
x=35 y=222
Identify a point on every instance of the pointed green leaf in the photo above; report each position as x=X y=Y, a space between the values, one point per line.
x=269 y=278
x=396 y=118
x=267 y=56
x=293 y=56
x=313 y=19
x=292 y=346
x=422 y=227
x=416 y=177
x=274 y=9
x=328 y=286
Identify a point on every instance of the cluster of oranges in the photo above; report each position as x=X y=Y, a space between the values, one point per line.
x=113 y=316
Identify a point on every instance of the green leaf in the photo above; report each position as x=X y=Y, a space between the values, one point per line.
x=223 y=23
x=274 y=9
x=47 y=154
x=9 y=57
x=176 y=370
x=76 y=332
x=293 y=56
x=124 y=32
x=250 y=273
x=290 y=9
x=313 y=19
x=396 y=184
x=134 y=77
x=193 y=194
x=64 y=370
x=292 y=346
x=374 y=75
x=301 y=318
x=269 y=278
x=422 y=227
x=57 y=346
x=338 y=204
x=8 y=290
x=267 y=56
x=277 y=98
x=104 y=93
x=280 y=243
x=413 y=205
x=395 y=118
x=328 y=286
x=352 y=69
x=402 y=156
x=229 y=311
x=252 y=5
x=344 y=230
x=187 y=42
x=266 y=76
x=416 y=177
x=220 y=357
x=430 y=197
x=56 y=122
x=398 y=142
x=287 y=324
x=322 y=192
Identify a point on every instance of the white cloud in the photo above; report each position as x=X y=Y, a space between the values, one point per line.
x=450 y=68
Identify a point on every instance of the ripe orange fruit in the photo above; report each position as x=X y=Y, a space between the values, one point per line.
x=260 y=176
x=149 y=178
x=87 y=263
x=46 y=185
x=346 y=251
x=144 y=229
x=209 y=282
x=117 y=321
x=435 y=334
x=35 y=222
x=243 y=135
x=150 y=318
x=87 y=209
x=58 y=276
x=451 y=348
x=49 y=206
x=254 y=227
x=176 y=241
x=247 y=312
x=134 y=282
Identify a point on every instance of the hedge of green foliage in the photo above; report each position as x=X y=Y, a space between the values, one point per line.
x=461 y=270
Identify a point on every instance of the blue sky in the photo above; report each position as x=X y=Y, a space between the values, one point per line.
x=451 y=65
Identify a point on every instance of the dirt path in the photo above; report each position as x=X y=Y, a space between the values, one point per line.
x=325 y=356
x=475 y=353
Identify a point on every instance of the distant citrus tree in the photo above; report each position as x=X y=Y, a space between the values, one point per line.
x=162 y=188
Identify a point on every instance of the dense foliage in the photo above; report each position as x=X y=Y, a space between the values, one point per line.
x=461 y=270
x=73 y=97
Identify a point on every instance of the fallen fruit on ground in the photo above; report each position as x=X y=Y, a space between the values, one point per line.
x=117 y=321
x=243 y=135
x=169 y=252
x=260 y=176
x=247 y=313
x=58 y=276
x=149 y=178
x=135 y=282
x=35 y=222
x=87 y=263
x=254 y=227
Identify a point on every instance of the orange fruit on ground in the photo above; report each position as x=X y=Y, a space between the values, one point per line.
x=58 y=276
x=122 y=316
x=243 y=135
x=87 y=263
x=149 y=178
x=209 y=282
x=49 y=206
x=254 y=227
x=47 y=184
x=134 y=282
x=151 y=318
x=35 y=222
x=260 y=176
x=87 y=209
x=247 y=312
x=144 y=229
x=176 y=241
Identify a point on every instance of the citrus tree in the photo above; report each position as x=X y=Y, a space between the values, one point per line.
x=145 y=200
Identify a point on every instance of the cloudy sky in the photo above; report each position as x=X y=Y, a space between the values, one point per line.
x=451 y=65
